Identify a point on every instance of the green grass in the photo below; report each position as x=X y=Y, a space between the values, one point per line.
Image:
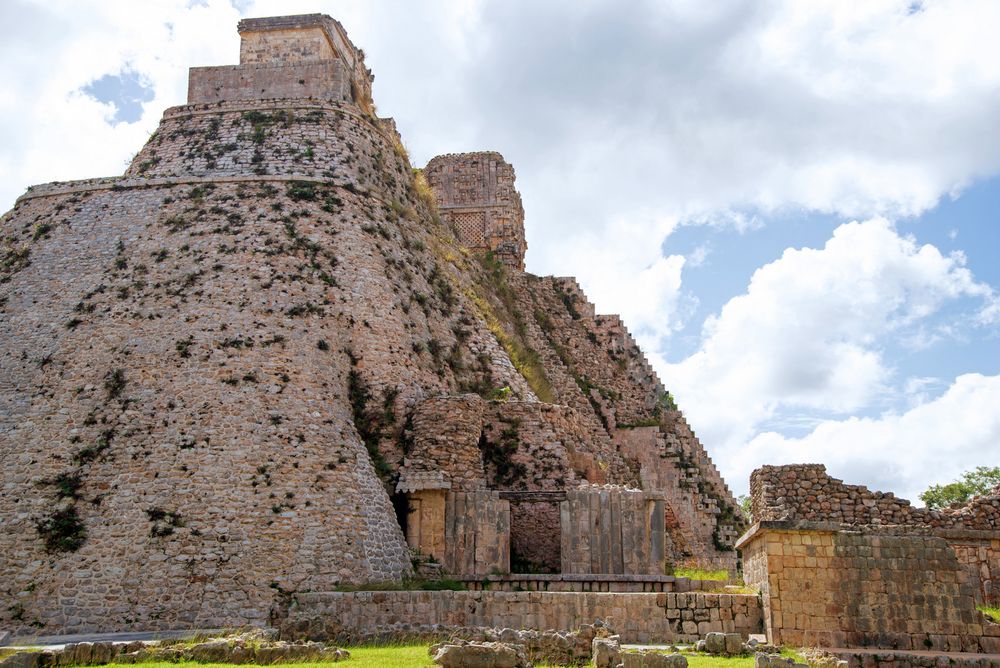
x=992 y=613
x=703 y=661
x=701 y=574
x=402 y=656
x=706 y=661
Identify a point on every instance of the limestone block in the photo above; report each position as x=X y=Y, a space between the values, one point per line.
x=715 y=643
x=606 y=652
x=481 y=655
x=653 y=660
x=22 y=660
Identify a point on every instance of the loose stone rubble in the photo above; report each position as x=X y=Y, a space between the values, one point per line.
x=249 y=648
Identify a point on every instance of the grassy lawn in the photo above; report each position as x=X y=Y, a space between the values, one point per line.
x=415 y=656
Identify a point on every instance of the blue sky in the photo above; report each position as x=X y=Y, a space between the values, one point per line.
x=794 y=206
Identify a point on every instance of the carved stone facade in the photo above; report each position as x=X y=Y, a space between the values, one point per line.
x=476 y=196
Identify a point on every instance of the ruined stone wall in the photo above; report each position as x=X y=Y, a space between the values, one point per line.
x=842 y=565
x=806 y=492
x=476 y=195
x=639 y=618
x=535 y=537
x=829 y=587
x=445 y=451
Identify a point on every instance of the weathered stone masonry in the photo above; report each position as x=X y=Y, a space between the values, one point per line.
x=673 y=617
x=476 y=195
x=840 y=566
x=235 y=372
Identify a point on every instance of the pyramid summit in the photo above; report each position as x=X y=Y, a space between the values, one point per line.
x=272 y=358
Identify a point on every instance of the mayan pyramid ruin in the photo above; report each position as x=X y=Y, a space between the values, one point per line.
x=272 y=358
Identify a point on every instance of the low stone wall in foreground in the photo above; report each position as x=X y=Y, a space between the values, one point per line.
x=637 y=617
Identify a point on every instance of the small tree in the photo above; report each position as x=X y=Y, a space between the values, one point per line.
x=977 y=482
x=744 y=501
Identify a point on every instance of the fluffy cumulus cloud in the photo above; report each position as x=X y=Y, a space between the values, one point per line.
x=64 y=57
x=903 y=452
x=808 y=336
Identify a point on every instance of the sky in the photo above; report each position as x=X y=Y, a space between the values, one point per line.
x=795 y=206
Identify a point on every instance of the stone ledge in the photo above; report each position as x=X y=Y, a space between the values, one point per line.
x=863 y=529
x=122 y=183
x=912 y=659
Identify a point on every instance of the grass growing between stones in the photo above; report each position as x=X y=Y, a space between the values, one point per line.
x=992 y=613
x=701 y=574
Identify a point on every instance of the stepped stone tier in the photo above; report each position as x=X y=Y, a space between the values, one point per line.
x=270 y=359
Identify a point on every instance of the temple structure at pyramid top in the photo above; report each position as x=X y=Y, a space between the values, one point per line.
x=304 y=56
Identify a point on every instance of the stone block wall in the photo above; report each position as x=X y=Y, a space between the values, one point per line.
x=839 y=565
x=613 y=530
x=476 y=195
x=425 y=522
x=324 y=80
x=827 y=587
x=304 y=56
x=445 y=450
x=639 y=618
x=806 y=492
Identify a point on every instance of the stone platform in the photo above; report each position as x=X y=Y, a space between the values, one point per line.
x=637 y=617
x=870 y=658
x=569 y=582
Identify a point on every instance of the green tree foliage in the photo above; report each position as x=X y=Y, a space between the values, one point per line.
x=744 y=501
x=977 y=482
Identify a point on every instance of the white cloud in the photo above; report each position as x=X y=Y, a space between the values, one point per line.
x=809 y=332
x=901 y=452
x=654 y=302
x=49 y=129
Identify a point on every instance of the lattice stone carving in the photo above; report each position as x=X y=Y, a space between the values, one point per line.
x=476 y=191
x=471 y=226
